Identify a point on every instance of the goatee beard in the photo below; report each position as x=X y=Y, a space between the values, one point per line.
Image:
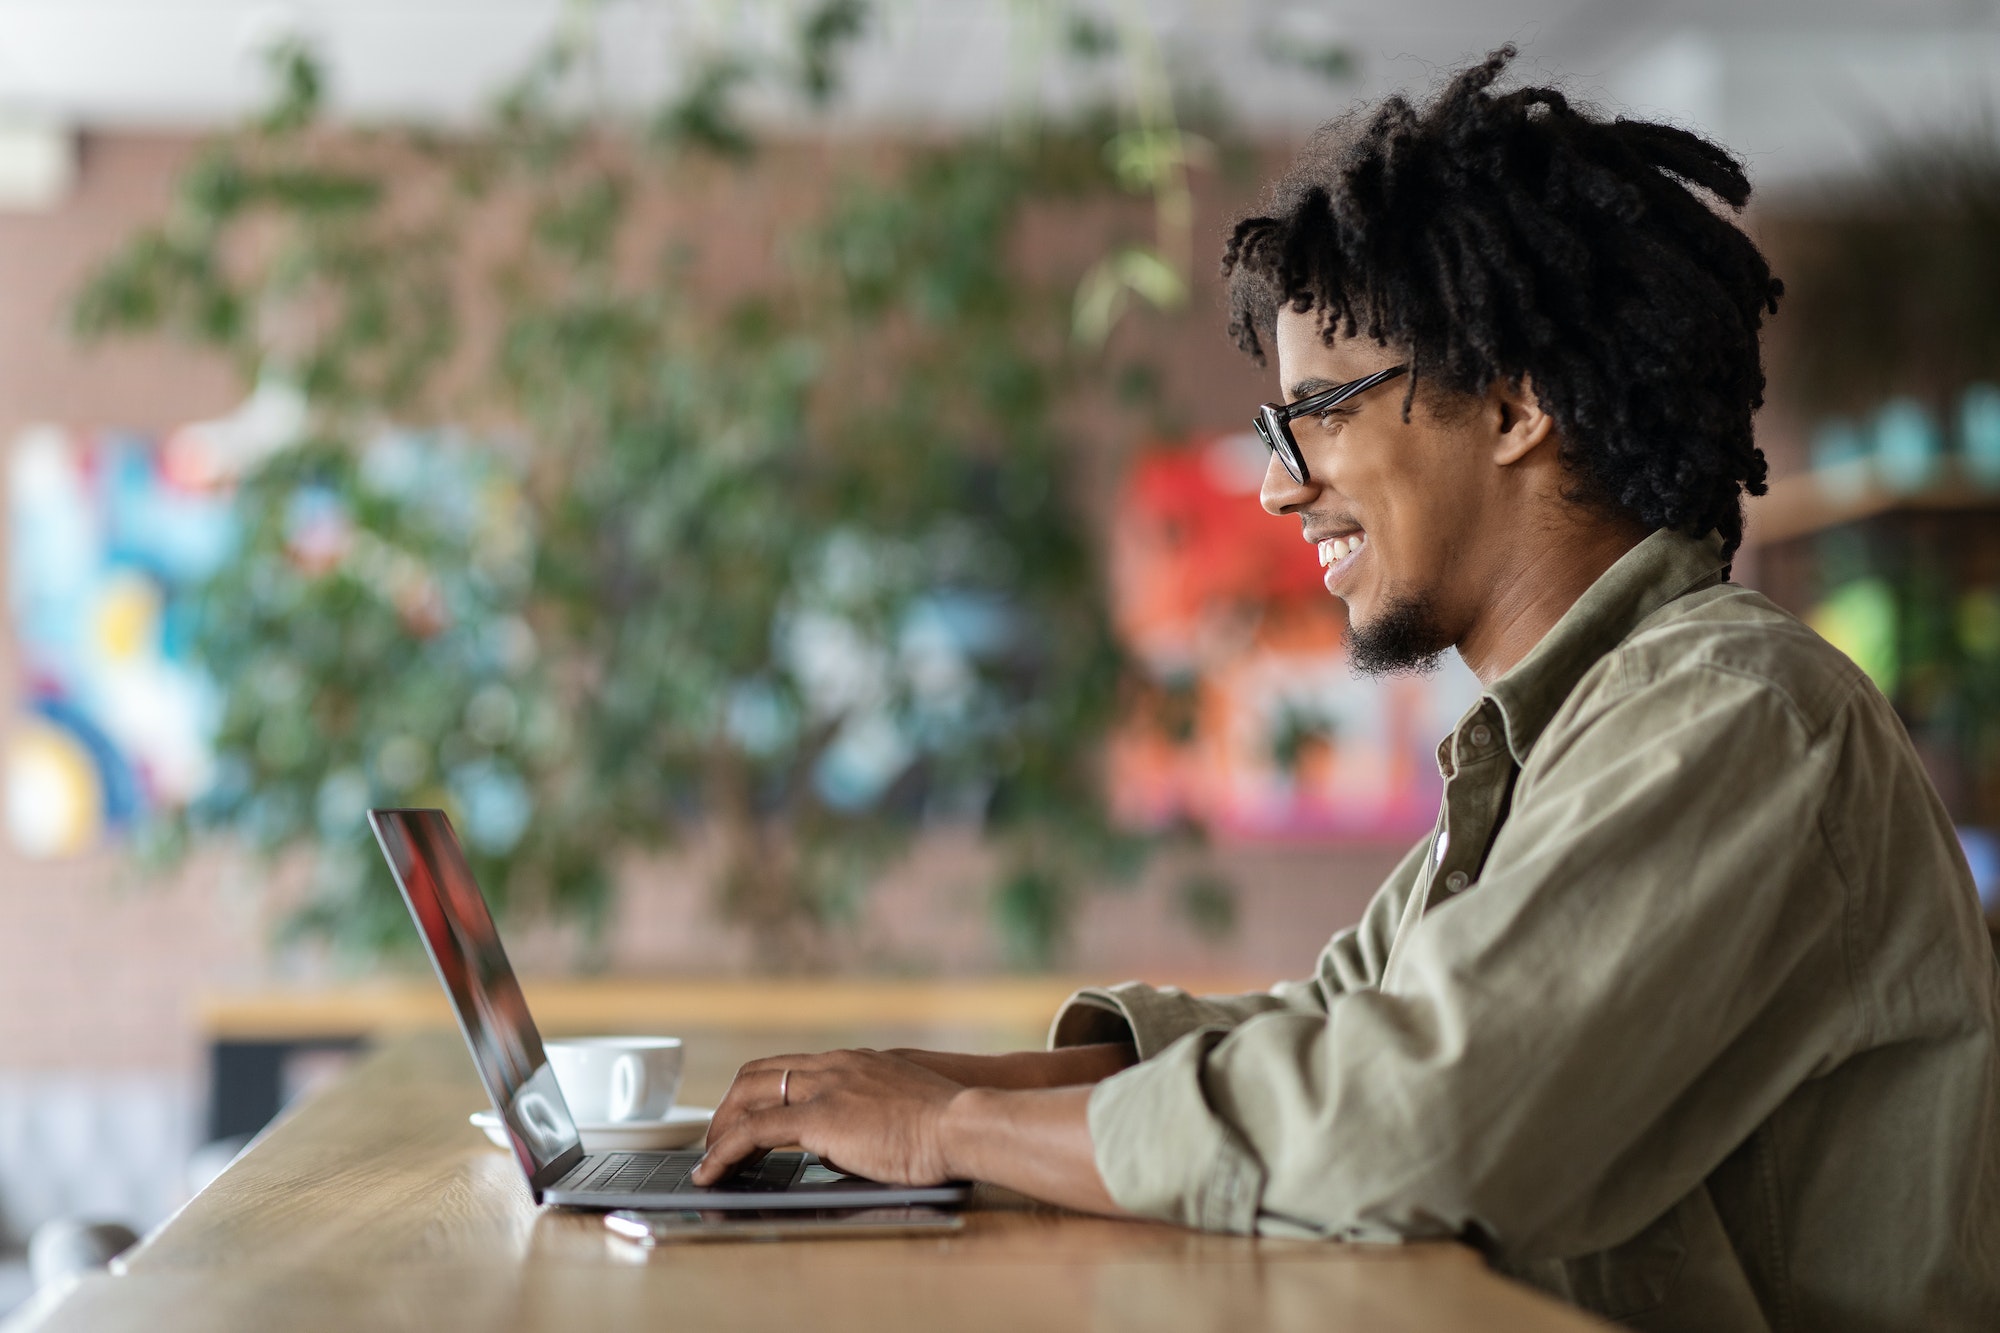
x=1403 y=638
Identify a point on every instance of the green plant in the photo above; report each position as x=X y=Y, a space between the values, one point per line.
x=603 y=561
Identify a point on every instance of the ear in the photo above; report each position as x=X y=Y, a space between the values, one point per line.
x=1523 y=424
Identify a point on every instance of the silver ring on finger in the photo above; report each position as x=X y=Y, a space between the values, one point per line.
x=785 y=1088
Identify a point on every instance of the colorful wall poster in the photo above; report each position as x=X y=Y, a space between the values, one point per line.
x=107 y=533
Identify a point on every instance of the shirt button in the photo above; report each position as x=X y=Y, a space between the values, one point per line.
x=1456 y=880
x=1482 y=735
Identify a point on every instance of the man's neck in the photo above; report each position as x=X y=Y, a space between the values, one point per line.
x=1536 y=588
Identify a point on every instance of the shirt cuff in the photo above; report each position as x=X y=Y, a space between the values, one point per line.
x=1152 y=1018
x=1163 y=1153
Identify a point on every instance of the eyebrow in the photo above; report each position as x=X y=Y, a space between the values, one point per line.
x=1306 y=388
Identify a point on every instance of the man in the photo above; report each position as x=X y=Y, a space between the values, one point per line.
x=1685 y=1011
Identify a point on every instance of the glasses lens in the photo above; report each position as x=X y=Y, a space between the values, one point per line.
x=1293 y=463
x=1277 y=437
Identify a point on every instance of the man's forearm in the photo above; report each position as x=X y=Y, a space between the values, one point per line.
x=1066 y=1067
x=1036 y=1142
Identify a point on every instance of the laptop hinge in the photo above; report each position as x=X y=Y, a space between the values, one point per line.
x=556 y=1171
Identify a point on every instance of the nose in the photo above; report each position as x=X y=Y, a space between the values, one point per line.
x=1280 y=493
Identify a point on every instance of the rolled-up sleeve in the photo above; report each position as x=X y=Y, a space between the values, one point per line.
x=1152 y=1018
x=1604 y=992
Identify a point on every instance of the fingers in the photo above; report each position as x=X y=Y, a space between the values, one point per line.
x=763 y=1082
x=774 y=1083
x=807 y=1060
x=748 y=1135
x=754 y=1090
x=757 y=1092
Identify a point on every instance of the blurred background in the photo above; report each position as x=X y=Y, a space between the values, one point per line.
x=773 y=470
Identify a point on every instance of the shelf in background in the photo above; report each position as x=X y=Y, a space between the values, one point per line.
x=610 y=1004
x=1803 y=504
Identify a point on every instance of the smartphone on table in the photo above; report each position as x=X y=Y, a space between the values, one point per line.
x=670 y=1226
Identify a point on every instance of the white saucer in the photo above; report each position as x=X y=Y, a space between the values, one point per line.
x=682 y=1127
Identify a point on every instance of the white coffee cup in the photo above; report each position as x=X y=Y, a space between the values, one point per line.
x=615 y=1080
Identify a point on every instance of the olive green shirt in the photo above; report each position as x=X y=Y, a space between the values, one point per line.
x=1684 y=1012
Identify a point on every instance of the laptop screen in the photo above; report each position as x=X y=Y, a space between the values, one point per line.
x=458 y=933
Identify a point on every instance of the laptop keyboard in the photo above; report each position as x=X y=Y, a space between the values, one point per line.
x=667 y=1172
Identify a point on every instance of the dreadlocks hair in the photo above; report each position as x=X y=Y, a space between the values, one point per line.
x=1496 y=236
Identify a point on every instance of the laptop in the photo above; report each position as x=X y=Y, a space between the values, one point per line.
x=458 y=933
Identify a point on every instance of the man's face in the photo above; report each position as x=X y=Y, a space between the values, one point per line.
x=1393 y=505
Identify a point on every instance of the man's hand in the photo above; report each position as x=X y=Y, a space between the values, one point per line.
x=900 y=1120
x=868 y=1113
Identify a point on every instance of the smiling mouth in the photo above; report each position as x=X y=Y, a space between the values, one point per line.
x=1336 y=549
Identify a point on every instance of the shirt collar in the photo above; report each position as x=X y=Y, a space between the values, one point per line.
x=1664 y=566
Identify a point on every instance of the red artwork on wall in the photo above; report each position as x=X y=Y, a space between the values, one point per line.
x=1251 y=723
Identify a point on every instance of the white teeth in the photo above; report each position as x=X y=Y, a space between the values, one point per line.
x=1336 y=549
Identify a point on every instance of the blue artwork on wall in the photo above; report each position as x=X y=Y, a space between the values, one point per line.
x=107 y=535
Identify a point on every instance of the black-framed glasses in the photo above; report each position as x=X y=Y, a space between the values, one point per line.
x=1273 y=421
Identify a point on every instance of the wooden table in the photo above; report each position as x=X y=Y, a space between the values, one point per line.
x=375 y=1206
